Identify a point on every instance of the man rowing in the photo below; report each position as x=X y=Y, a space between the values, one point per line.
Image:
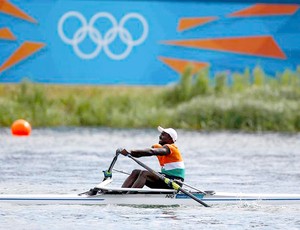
x=169 y=157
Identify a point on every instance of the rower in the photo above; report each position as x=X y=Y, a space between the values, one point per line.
x=169 y=157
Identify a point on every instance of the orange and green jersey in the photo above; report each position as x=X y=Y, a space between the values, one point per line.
x=171 y=164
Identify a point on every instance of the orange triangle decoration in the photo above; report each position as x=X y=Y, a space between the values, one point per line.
x=6 y=34
x=8 y=8
x=180 y=65
x=24 y=51
x=189 y=23
x=264 y=46
x=267 y=10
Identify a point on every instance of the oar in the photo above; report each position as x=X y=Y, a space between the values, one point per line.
x=107 y=175
x=190 y=186
x=169 y=182
x=108 y=172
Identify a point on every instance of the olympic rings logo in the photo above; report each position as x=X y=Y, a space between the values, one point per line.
x=100 y=40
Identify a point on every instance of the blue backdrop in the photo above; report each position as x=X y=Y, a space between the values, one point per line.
x=130 y=42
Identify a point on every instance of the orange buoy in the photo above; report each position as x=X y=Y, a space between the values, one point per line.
x=21 y=128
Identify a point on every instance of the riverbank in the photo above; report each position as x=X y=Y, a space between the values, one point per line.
x=251 y=102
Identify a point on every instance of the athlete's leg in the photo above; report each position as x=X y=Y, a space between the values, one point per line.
x=131 y=179
x=144 y=177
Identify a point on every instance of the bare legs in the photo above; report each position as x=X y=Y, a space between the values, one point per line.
x=138 y=179
x=131 y=179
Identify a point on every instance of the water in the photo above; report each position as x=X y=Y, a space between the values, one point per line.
x=71 y=160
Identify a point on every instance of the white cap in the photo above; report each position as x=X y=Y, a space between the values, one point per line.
x=170 y=131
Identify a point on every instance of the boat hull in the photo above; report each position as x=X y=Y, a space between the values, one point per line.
x=153 y=199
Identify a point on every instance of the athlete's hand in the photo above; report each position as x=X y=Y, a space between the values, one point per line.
x=123 y=151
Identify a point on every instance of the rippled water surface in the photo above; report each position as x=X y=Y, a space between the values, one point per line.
x=59 y=161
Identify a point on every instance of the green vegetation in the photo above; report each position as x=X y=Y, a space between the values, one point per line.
x=251 y=101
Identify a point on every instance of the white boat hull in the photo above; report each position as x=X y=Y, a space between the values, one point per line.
x=105 y=195
x=153 y=199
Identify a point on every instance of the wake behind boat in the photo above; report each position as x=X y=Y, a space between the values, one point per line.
x=103 y=194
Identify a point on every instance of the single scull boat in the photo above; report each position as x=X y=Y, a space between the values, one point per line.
x=102 y=194
x=121 y=196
